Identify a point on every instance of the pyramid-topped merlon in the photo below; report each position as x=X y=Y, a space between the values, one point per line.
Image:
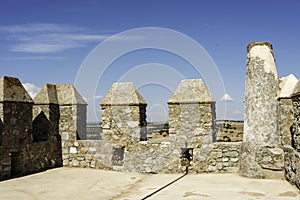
x=287 y=85
x=191 y=91
x=296 y=91
x=68 y=95
x=12 y=90
x=124 y=93
x=47 y=95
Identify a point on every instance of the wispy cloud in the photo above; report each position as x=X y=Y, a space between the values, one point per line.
x=33 y=58
x=98 y=97
x=40 y=47
x=49 y=38
x=226 y=97
x=90 y=99
x=37 y=27
x=236 y=112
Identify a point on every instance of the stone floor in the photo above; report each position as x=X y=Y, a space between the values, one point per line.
x=78 y=184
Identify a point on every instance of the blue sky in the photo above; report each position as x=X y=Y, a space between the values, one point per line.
x=47 y=41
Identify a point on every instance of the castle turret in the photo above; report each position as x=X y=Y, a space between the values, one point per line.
x=262 y=155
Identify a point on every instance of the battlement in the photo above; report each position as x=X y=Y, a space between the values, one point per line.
x=31 y=130
x=50 y=131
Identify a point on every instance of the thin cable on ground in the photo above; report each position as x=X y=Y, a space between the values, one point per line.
x=186 y=172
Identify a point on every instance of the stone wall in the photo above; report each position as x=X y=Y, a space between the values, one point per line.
x=295 y=129
x=292 y=153
x=163 y=158
x=292 y=165
x=30 y=135
x=1 y=131
x=285 y=120
x=218 y=157
x=123 y=148
x=155 y=157
x=20 y=153
x=88 y=154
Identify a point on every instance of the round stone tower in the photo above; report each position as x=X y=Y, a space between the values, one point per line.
x=262 y=155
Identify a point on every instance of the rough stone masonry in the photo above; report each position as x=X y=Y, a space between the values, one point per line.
x=262 y=155
x=29 y=136
x=125 y=147
x=49 y=131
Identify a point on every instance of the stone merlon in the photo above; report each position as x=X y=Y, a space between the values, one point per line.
x=191 y=91
x=68 y=95
x=287 y=85
x=296 y=90
x=12 y=90
x=47 y=95
x=123 y=93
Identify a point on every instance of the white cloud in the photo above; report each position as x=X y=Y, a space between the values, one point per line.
x=33 y=58
x=226 y=97
x=236 y=112
x=36 y=27
x=49 y=38
x=31 y=89
x=98 y=97
x=40 y=47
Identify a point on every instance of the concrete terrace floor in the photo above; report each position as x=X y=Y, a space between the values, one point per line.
x=79 y=184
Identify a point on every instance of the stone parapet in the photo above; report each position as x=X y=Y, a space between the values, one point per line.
x=154 y=157
x=221 y=157
x=285 y=117
x=30 y=139
x=292 y=166
x=295 y=129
